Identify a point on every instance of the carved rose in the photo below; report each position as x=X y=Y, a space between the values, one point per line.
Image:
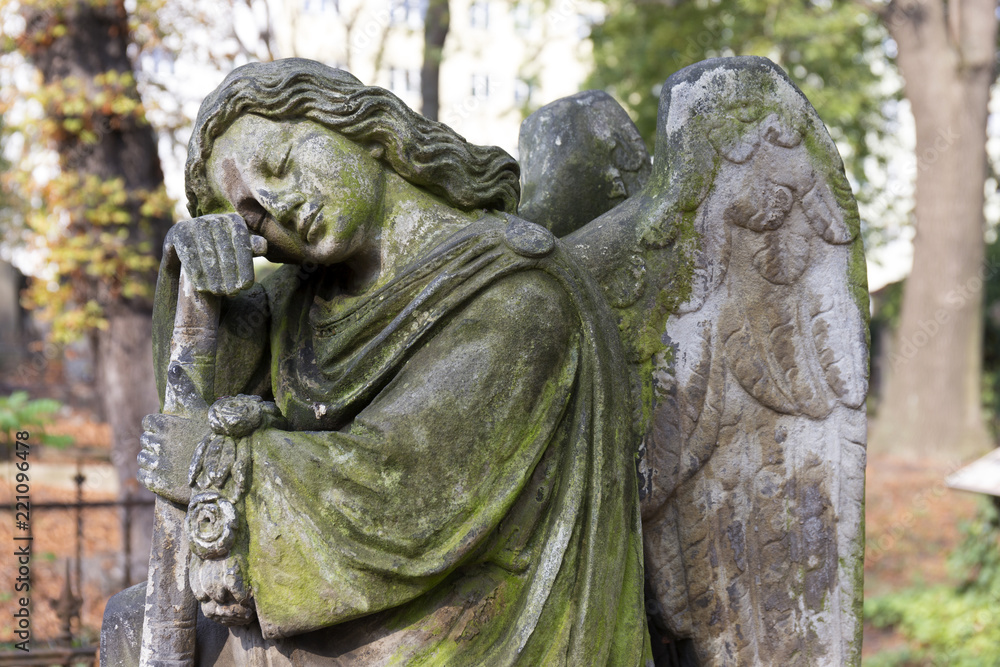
x=236 y=416
x=211 y=525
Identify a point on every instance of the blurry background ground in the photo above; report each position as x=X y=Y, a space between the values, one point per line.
x=912 y=525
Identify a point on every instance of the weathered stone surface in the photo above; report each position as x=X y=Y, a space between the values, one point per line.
x=580 y=156
x=747 y=331
x=432 y=459
x=425 y=448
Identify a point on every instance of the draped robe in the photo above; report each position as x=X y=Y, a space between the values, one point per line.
x=456 y=485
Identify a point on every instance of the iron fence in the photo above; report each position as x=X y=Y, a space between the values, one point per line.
x=68 y=648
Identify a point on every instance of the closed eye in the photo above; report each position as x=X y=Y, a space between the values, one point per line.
x=278 y=168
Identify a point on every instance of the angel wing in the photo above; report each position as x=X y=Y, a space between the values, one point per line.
x=737 y=274
x=580 y=156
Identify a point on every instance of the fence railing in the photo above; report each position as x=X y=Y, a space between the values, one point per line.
x=67 y=648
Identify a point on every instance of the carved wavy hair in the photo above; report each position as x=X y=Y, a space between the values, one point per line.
x=424 y=152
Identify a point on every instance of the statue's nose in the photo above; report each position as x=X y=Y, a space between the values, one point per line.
x=282 y=207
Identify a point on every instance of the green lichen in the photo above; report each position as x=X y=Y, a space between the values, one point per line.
x=857 y=574
x=827 y=162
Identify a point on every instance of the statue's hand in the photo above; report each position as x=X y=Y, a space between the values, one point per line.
x=168 y=443
x=216 y=252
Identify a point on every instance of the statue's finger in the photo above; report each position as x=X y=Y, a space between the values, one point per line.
x=237 y=227
x=197 y=587
x=151 y=423
x=150 y=480
x=192 y=263
x=150 y=443
x=258 y=245
x=180 y=235
x=236 y=585
x=215 y=585
x=158 y=422
x=213 y=264
x=205 y=262
x=242 y=247
x=236 y=245
x=244 y=262
x=228 y=259
x=147 y=463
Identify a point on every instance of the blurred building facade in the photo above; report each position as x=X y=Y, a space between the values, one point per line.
x=502 y=58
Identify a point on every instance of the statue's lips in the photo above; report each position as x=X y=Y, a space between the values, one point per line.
x=307 y=228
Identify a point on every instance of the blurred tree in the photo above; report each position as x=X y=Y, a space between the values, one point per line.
x=953 y=624
x=19 y=413
x=97 y=219
x=437 y=20
x=103 y=216
x=947 y=56
x=832 y=49
x=836 y=51
x=991 y=340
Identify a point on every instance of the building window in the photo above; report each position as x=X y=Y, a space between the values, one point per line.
x=319 y=6
x=408 y=12
x=521 y=13
x=585 y=24
x=159 y=61
x=522 y=92
x=403 y=81
x=479 y=14
x=481 y=86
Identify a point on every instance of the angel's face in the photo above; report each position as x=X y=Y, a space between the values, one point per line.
x=313 y=194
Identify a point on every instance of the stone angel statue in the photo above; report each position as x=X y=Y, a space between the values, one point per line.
x=439 y=435
x=737 y=275
x=418 y=448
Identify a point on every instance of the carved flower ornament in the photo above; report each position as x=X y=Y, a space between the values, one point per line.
x=236 y=416
x=211 y=525
x=219 y=474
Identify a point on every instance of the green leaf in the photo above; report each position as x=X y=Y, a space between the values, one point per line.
x=59 y=441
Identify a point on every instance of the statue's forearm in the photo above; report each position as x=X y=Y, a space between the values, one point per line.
x=164 y=309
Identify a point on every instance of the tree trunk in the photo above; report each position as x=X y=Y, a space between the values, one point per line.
x=932 y=403
x=436 y=23
x=129 y=394
x=94 y=43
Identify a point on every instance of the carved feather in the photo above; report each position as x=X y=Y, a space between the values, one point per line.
x=729 y=275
